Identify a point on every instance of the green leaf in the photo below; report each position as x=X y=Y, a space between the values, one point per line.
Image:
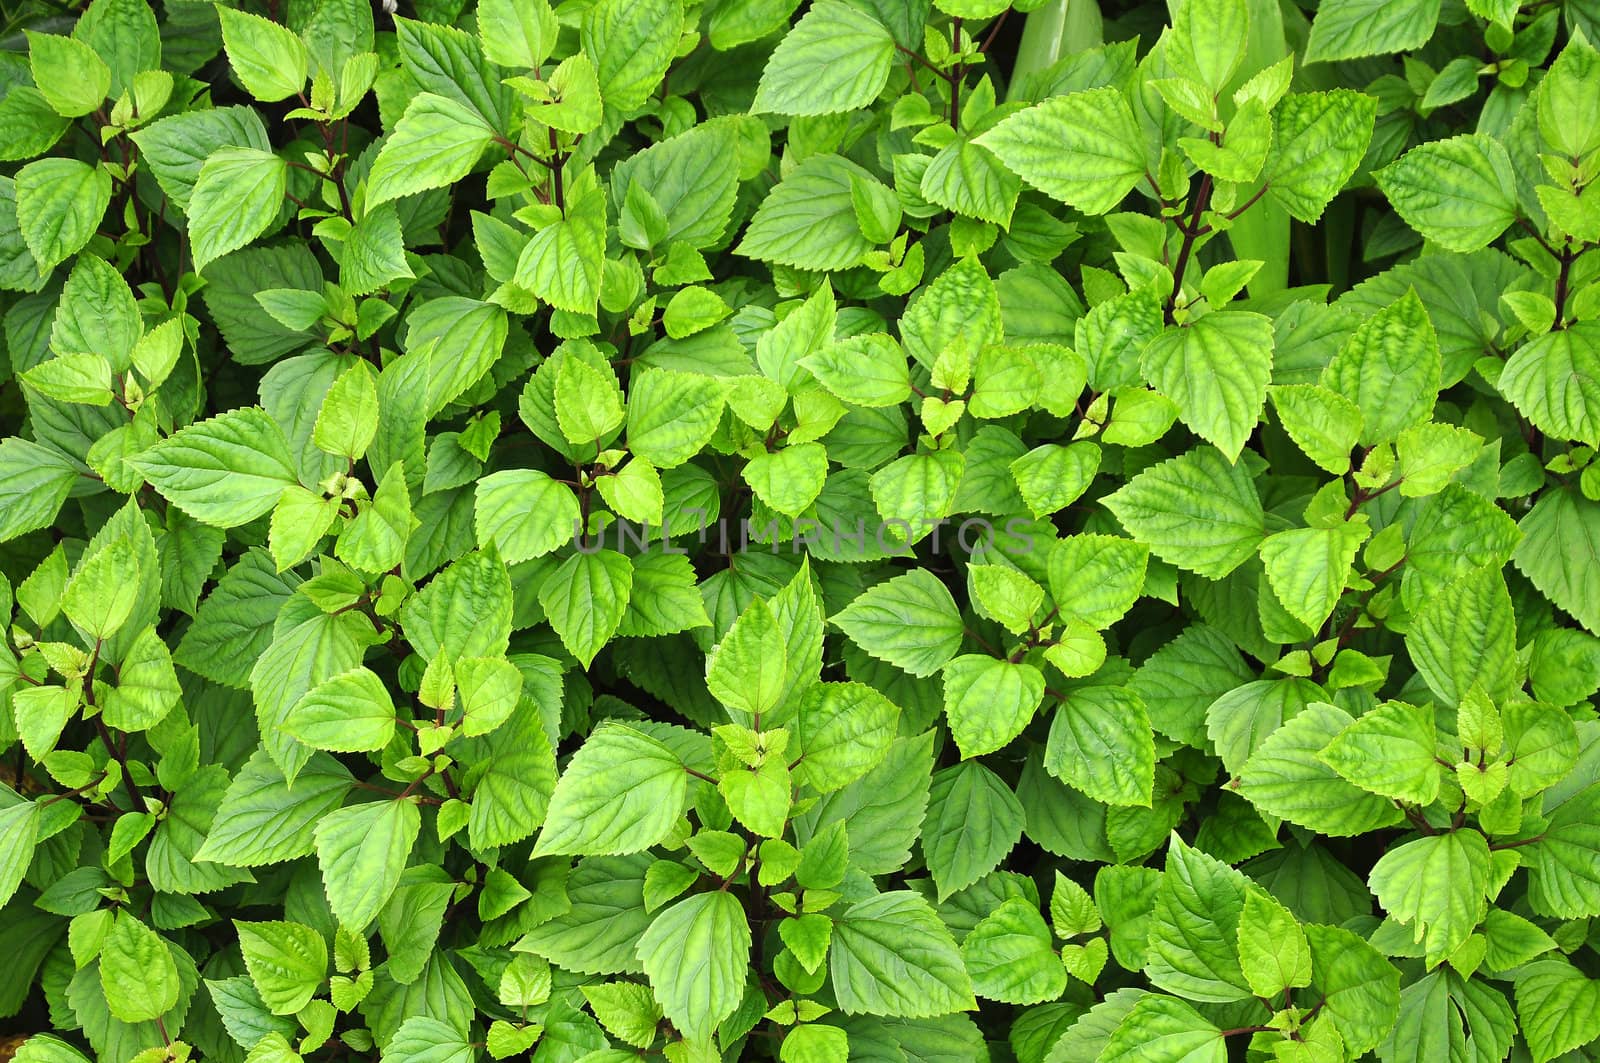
x=1162 y=1029
x=1465 y=635
x=973 y=821
x=137 y=972
x=1194 y=927
x=1555 y=382
x=345 y=713
x=225 y=471
x=696 y=954
x=671 y=415
x=288 y=963
x=844 y=730
x=1560 y=536
x=837 y=58
x=524 y=514
x=237 y=198
x=1195 y=511
x=1459 y=193
x=1558 y=1007
x=1051 y=477
x=892 y=956
x=268 y=59
x=423 y=1039
x=1347 y=29
x=1009 y=957
x=362 y=851
x=1101 y=744
x=60 y=203
x=68 y=73
x=562 y=263
x=867 y=370
x=910 y=621
x=517 y=33
x=1362 y=988
x=263 y=820
x=34 y=481
x=1083 y=148
x=790 y=479
x=1436 y=886
x=1307 y=568
x=621 y=793
x=988 y=702
x=631 y=43
x=1216 y=371
x=1284 y=777
x=1319 y=141
x=585 y=599
x=19 y=832
x=809 y=221
x=1389 y=751
x=435 y=144
x=1272 y=948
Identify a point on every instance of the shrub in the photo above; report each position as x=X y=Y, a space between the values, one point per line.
x=890 y=532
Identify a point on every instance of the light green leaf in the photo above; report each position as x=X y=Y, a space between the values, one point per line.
x=671 y=415
x=843 y=730
x=345 y=713
x=892 y=956
x=224 y=471
x=697 y=953
x=910 y=621
x=1162 y=1029
x=524 y=514
x=1284 y=777
x=137 y=972
x=989 y=701
x=1465 y=635
x=835 y=59
x=288 y=962
x=435 y=144
x=59 y=206
x=1555 y=382
x=1195 y=511
x=1009 y=956
x=1347 y=29
x=268 y=59
x=1307 y=568
x=621 y=793
x=1436 y=886
x=1272 y=948
x=562 y=263
x=1216 y=370
x=362 y=851
x=1083 y=148
x=1390 y=369
x=1389 y=751
x=1459 y=193
x=237 y=198
x=1101 y=744
x=585 y=599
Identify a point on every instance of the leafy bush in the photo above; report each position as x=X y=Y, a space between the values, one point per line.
x=888 y=532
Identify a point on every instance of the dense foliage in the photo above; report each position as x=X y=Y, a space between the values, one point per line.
x=889 y=532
